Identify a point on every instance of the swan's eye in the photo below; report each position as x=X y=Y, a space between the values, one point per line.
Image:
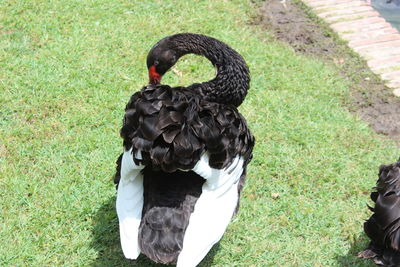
x=156 y=62
x=173 y=59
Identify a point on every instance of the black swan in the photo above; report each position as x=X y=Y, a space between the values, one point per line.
x=186 y=150
x=383 y=227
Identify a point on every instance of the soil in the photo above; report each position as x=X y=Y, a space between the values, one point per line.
x=291 y=22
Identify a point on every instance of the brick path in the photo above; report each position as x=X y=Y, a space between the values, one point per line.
x=367 y=33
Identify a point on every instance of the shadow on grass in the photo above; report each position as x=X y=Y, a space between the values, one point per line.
x=106 y=241
x=351 y=259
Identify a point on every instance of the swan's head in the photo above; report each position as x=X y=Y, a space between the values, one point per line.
x=159 y=60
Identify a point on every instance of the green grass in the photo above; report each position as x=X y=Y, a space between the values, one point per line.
x=68 y=68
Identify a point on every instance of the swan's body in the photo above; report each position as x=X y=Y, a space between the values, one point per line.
x=383 y=227
x=185 y=156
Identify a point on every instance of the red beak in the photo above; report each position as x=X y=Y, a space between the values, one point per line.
x=154 y=76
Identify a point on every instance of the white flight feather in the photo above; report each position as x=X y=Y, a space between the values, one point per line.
x=213 y=210
x=129 y=204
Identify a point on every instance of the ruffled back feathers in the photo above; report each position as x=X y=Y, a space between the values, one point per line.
x=174 y=126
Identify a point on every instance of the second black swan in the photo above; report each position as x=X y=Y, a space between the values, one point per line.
x=186 y=151
x=383 y=227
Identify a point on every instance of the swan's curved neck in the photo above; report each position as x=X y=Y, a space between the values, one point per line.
x=232 y=80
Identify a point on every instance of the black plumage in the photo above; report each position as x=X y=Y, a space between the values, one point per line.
x=173 y=127
x=383 y=227
x=169 y=200
x=231 y=84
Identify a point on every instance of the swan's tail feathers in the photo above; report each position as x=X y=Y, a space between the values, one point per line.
x=169 y=200
x=161 y=234
x=212 y=212
x=129 y=204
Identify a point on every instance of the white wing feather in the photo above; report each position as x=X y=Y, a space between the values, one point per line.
x=129 y=204
x=213 y=210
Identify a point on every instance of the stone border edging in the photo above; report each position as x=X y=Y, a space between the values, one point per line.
x=367 y=33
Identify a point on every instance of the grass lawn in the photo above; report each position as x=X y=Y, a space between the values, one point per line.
x=67 y=69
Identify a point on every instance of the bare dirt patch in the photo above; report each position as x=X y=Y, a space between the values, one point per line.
x=291 y=22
